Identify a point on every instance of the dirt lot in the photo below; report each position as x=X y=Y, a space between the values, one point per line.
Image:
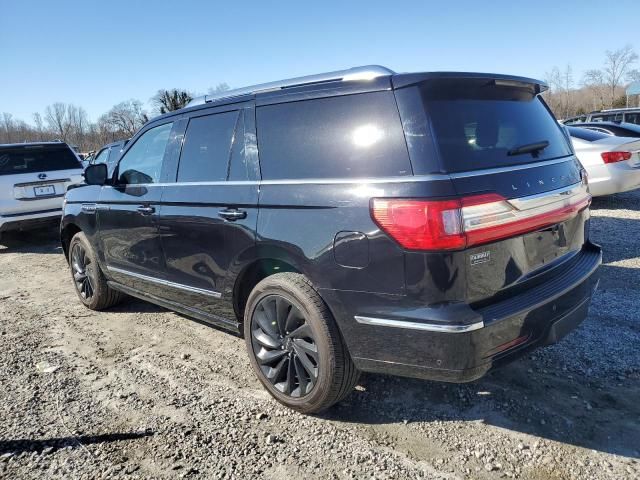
x=139 y=392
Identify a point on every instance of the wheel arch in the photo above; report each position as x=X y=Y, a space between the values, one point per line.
x=66 y=234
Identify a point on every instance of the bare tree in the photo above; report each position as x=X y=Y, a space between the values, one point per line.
x=594 y=82
x=170 y=100
x=56 y=117
x=126 y=117
x=616 y=66
x=220 y=88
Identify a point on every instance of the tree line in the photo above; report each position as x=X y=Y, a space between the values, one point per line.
x=70 y=123
x=597 y=89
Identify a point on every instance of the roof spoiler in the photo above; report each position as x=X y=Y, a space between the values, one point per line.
x=408 y=79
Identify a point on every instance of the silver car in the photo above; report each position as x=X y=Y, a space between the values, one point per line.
x=33 y=180
x=612 y=163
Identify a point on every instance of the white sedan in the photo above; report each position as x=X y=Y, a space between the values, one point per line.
x=612 y=163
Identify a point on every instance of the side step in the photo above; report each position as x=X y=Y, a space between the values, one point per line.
x=195 y=313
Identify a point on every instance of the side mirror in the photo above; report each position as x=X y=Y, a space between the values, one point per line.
x=96 y=174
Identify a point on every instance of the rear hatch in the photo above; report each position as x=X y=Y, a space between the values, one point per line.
x=523 y=201
x=35 y=177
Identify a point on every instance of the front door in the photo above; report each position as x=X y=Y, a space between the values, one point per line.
x=209 y=215
x=128 y=213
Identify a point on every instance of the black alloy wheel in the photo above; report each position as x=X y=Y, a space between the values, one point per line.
x=284 y=346
x=83 y=272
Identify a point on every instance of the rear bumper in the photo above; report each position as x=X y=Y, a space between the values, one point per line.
x=613 y=178
x=30 y=220
x=460 y=344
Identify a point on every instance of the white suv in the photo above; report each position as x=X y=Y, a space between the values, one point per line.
x=33 y=180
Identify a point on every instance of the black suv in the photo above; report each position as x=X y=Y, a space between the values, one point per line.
x=432 y=225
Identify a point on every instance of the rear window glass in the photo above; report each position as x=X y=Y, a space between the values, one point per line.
x=339 y=137
x=36 y=158
x=207 y=148
x=586 y=134
x=479 y=125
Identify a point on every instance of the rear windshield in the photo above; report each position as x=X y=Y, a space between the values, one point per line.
x=36 y=158
x=586 y=134
x=478 y=124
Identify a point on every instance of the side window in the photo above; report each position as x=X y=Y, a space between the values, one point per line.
x=207 y=148
x=143 y=162
x=339 y=137
x=101 y=157
x=632 y=118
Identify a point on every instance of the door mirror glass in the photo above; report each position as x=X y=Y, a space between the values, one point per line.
x=96 y=174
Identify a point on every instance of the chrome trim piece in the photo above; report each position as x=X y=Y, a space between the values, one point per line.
x=430 y=327
x=368 y=72
x=490 y=171
x=314 y=181
x=546 y=198
x=166 y=283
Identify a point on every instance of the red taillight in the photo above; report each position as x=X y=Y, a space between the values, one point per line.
x=474 y=220
x=613 y=157
x=420 y=225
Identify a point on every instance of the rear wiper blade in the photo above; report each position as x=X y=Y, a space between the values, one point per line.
x=534 y=148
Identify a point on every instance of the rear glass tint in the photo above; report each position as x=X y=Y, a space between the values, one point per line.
x=338 y=137
x=207 y=148
x=478 y=124
x=586 y=134
x=36 y=158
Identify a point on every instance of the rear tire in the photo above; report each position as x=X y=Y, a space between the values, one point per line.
x=88 y=279
x=295 y=346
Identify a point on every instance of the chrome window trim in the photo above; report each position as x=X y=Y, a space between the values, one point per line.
x=490 y=171
x=166 y=283
x=430 y=327
x=365 y=180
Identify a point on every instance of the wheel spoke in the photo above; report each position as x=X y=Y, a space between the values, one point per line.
x=308 y=365
x=294 y=319
x=274 y=373
x=303 y=331
x=265 y=323
x=311 y=349
x=266 y=340
x=282 y=311
x=269 y=356
x=303 y=382
x=287 y=385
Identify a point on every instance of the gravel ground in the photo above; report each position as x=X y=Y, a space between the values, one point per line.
x=139 y=392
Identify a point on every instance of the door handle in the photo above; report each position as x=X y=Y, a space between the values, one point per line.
x=232 y=214
x=146 y=210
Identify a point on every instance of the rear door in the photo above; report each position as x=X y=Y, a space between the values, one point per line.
x=34 y=178
x=128 y=212
x=209 y=208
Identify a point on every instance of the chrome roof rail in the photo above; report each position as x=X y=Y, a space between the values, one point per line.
x=368 y=72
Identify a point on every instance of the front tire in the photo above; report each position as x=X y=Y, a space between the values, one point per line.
x=88 y=279
x=295 y=346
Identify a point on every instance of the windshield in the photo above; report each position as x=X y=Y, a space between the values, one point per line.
x=478 y=124
x=36 y=158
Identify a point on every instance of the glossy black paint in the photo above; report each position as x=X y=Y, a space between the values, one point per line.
x=204 y=244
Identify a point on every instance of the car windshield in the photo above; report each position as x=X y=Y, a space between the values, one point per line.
x=586 y=134
x=479 y=124
x=36 y=158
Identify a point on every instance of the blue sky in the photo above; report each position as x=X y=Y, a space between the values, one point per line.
x=97 y=53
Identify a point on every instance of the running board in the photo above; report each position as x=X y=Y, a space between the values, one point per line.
x=208 y=318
